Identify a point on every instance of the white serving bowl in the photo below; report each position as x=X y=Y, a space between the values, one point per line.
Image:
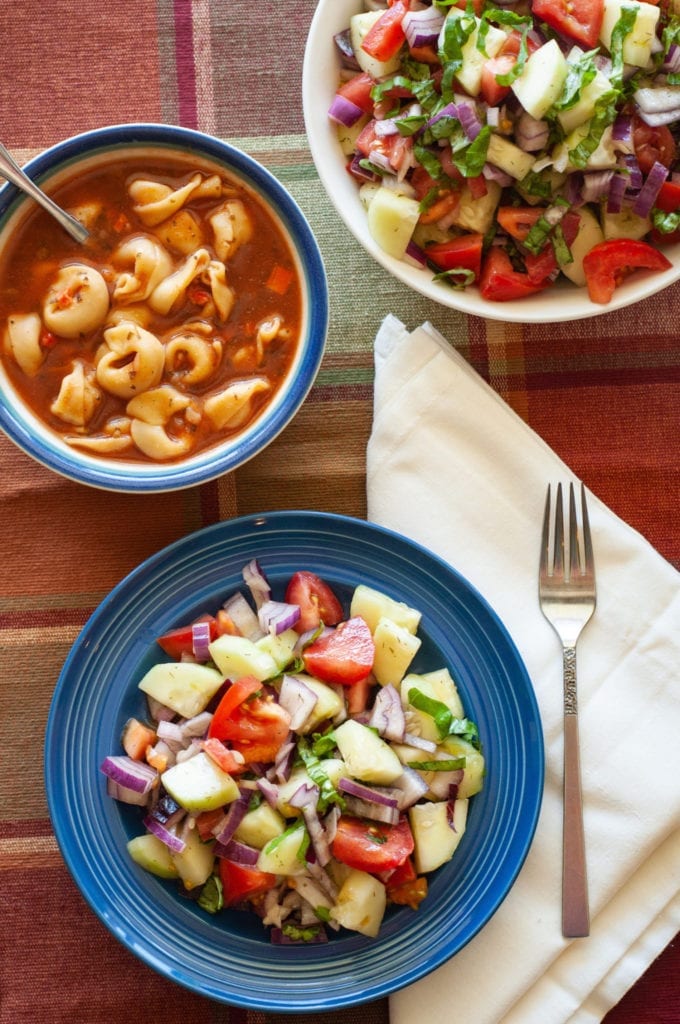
x=95 y=149
x=563 y=301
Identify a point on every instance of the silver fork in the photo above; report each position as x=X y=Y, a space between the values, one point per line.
x=567 y=598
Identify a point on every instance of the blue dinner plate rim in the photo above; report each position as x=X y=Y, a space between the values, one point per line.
x=109 y=475
x=291 y=1000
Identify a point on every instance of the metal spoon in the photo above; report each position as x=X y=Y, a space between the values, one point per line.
x=11 y=170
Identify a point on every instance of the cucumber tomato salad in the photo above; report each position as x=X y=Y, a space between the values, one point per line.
x=292 y=764
x=507 y=145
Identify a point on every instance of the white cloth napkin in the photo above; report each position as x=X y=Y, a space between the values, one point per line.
x=453 y=467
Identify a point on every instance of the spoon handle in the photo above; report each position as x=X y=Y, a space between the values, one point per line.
x=11 y=170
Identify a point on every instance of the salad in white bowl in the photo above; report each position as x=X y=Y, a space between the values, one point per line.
x=507 y=148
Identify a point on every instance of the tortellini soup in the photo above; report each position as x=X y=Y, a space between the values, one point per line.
x=171 y=329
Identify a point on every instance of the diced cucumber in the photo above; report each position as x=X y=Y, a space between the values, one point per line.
x=366 y=755
x=279 y=648
x=198 y=784
x=282 y=855
x=237 y=656
x=475 y=765
x=348 y=135
x=329 y=703
x=260 y=825
x=373 y=605
x=477 y=214
x=589 y=234
x=359 y=27
x=435 y=840
x=470 y=72
x=438 y=686
x=625 y=224
x=391 y=219
x=196 y=861
x=584 y=108
x=407 y=755
x=360 y=904
x=603 y=157
x=541 y=81
x=183 y=686
x=395 y=649
x=509 y=157
x=637 y=45
x=154 y=856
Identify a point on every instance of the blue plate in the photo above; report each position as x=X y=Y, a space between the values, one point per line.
x=228 y=957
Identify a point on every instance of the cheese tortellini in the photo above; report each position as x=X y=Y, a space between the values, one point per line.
x=163 y=336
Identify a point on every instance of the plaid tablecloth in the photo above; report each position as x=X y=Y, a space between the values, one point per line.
x=604 y=393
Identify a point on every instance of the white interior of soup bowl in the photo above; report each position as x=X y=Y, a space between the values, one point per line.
x=95 y=150
x=563 y=301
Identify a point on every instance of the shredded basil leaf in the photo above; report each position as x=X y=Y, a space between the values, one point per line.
x=536 y=184
x=622 y=29
x=457 y=277
x=563 y=253
x=664 y=222
x=324 y=743
x=604 y=115
x=297 y=934
x=451 y=764
x=444 y=719
x=211 y=898
x=538 y=236
x=472 y=158
x=323 y=913
x=581 y=73
x=328 y=794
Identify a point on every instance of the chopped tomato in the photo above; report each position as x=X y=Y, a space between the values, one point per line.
x=441 y=207
x=500 y=282
x=477 y=186
x=386 y=36
x=206 y=821
x=652 y=145
x=668 y=198
x=610 y=261
x=357 y=695
x=404 y=887
x=280 y=279
x=224 y=758
x=371 y=846
x=137 y=738
x=518 y=221
x=345 y=655
x=392 y=147
x=179 y=642
x=47 y=339
x=257 y=729
x=358 y=91
x=241 y=883
x=316 y=601
x=463 y=253
x=580 y=20
x=238 y=691
x=477 y=5
x=504 y=61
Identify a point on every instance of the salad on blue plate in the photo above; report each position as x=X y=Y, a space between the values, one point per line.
x=510 y=145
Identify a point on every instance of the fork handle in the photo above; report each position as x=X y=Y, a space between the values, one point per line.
x=575 y=914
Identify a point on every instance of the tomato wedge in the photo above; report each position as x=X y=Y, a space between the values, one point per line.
x=358 y=90
x=464 y=253
x=610 y=261
x=316 y=601
x=371 y=846
x=178 y=642
x=386 y=36
x=518 y=221
x=652 y=145
x=578 y=19
x=257 y=729
x=500 y=282
x=223 y=757
x=239 y=691
x=345 y=655
x=241 y=883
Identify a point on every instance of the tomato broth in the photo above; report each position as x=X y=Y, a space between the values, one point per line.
x=195 y=303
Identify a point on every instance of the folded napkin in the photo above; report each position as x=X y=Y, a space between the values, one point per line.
x=453 y=467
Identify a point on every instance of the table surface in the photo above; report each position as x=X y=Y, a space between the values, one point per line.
x=602 y=392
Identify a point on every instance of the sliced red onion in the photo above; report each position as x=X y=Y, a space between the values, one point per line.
x=384 y=797
x=596 y=185
x=298 y=699
x=269 y=791
x=411 y=740
x=330 y=822
x=200 y=640
x=658 y=99
x=617 y=190
x=387 y=715
x=387 y=126
x=415 y=253
x=634 y=173
x=343 y=111
x=422 y=28
x=622 y=129
x=662 y=118
x=171 y=839
x=135 y=775
x=531 y=135
x=672 y=62
x=243 y=616
x=441 y=783
x=305 y=798
x=167 y=811
x=239 y=853
x=171 y=733
x=196 y=726
x=277 y=616
x=160 y=754
x=125 y=795
x=493 y=116
x=372 y=811
x=467 y=115
x=361 y=173
x=159 y=712
x=195 y=747
x=411 y=786
x=257 y=582
x=650 y=190
x=283 y=762
x=493 y=173
x=225 y=828
x=451 y=815
x=345 y=49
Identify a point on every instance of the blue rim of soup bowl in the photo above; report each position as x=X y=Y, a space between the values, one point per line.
x=44 y=445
